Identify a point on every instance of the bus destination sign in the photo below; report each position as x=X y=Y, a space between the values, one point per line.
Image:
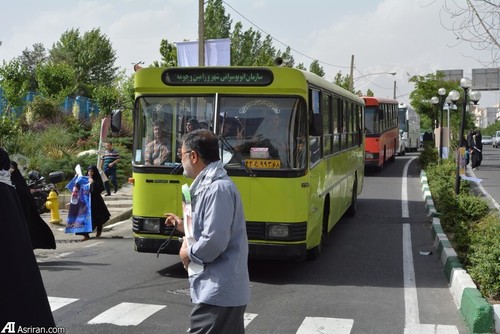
x=217 y=76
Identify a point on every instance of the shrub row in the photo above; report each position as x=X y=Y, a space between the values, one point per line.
x=468 y=222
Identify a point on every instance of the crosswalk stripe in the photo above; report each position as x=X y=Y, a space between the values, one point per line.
x=126 y=314
x=53 y=257
x=132 y=314
x=313 y=325
x=248 y=318
x=430 y=329
x=58 y=302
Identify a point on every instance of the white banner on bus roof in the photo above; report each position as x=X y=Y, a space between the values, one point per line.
x=217 y=53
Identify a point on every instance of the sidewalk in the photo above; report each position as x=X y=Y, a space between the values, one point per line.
x=119 y=205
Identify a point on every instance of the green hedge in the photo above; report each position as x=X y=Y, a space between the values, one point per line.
x=472 y=229
x=484 y=256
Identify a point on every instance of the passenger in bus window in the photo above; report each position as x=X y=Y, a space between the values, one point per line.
x=301 y=153
x=158 y=152
x=192 y=124
x=232 y=128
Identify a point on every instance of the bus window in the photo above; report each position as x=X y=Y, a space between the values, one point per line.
x=335 y=119
x=158 y=132
x=327 y=124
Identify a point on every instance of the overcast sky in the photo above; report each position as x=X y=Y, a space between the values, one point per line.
x=402 y=36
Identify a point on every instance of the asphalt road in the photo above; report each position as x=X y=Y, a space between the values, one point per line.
x=378 y=274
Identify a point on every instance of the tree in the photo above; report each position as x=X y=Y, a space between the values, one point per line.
x=316 y=68
x=217 y=23
x=31 y=60
x=343 y=81
x=425 y=88
x=106 y=98
x=91 y=55
x=287 y=58
x=56 y=80
x=14 y=83
x=476 y=22
x=168 y=53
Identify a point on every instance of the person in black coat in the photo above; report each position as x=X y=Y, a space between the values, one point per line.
x=99 y=211
x=40 y=233
x=477 y=150
x=24 y=300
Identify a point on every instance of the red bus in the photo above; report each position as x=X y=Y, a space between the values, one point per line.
x=381 y=131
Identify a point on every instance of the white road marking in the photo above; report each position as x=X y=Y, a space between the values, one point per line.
x=249 y=317
x=117 y=224
x=412 y=318
x=126 y=314
x=93 y=244
x=410 y=287
x=58 y=302
x=430 y=329
x=318 y=325
x=53 y=257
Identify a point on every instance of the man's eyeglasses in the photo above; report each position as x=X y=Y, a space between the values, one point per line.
x=180 y=154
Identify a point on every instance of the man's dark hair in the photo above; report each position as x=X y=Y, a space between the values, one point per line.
x=205 y=143
x=194 y=124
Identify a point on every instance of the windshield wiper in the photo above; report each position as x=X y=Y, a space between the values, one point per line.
x=231 y=149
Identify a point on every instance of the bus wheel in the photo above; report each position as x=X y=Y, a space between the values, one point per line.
x=393 y=156
x=315 y=252
x=353 y=208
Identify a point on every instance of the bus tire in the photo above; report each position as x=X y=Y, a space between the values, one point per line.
x=353 y=208
x=393 y=156
x=315 y=252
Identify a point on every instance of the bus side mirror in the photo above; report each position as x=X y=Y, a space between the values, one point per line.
x=316 y=127
x=116 y=120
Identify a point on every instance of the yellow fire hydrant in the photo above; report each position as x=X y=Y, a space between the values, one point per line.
x=53 y=205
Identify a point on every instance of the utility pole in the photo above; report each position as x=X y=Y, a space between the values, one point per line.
x=201 y=34
x=351 y=75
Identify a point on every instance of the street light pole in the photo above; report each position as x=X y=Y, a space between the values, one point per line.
x=465 y=83
x=352 y=80
x=441 y=92
x=453 y=97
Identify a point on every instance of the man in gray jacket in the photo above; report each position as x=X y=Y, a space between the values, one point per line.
x=215 y=249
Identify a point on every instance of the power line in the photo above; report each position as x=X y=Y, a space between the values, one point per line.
x=277 y=40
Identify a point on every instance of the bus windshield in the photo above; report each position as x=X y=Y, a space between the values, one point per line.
x=264 y=132
x=256 y=132
x=160 y=123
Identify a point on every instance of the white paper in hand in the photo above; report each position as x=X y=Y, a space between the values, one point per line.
x=193 y=268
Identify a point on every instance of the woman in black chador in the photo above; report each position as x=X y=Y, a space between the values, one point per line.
x=99 y=210
x=24 y=299
x=40 y=233
x=477 y=150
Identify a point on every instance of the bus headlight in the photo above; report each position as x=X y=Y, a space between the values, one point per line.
x=278 y=231
x=151 y=225
x=369 y=155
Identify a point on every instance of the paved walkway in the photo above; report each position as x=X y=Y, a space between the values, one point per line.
x=119 y=205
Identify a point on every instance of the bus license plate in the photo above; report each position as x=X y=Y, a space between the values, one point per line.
x=262 y=163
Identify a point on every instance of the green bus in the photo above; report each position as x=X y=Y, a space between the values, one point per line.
x=292 y=142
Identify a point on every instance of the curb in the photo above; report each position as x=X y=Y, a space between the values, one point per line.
x=479 y=315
